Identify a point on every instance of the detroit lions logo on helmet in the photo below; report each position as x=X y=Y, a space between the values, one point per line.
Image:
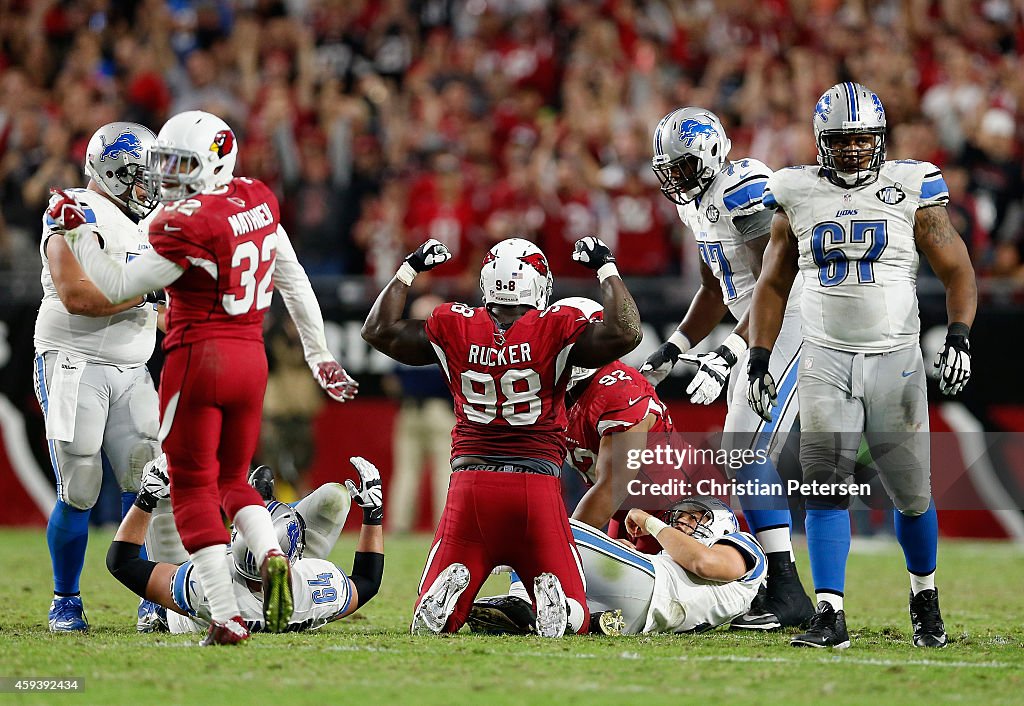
x=125 y=143
x=877 y=103
x=223 y=143
x=823 y=108
x=537 y=261
x=692 y=129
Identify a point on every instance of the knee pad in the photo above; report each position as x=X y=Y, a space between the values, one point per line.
x=163 y=543
x=912 y=507
x=81 y=478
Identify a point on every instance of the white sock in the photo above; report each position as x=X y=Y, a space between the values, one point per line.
x=922 y=583
x=257 y=528
x=211 y=564
x=575 y=616
x=775 y=540
x=836 y=601
x=518 y=589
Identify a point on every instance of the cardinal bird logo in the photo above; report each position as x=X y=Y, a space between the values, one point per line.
x=223 y=143
x=489 y=257
x=537 y=261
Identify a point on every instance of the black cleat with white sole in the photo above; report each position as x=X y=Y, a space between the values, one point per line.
x=929 y=631
x=827 y=629
x=502 y=615
x=607 y=622
x=782 y=603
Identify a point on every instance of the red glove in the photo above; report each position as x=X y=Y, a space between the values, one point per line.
x=333 y=378
x=65 y=210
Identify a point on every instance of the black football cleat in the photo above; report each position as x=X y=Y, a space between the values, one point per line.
x=827 y=629
x=607 y=622
x=262 y=479
x=782 y=604
x=929 y=630
x=502 y=615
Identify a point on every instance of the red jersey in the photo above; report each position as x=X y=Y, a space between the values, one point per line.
x=509 y=386
x=227 y=243
x=617 y=398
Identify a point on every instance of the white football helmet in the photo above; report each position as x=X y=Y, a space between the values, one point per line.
x=116 y=159
x=593 y=312
x=713 y=518
x=515 y=272
x=291 y=533
x=847 y=109
x=690 y=149
x=194 y=152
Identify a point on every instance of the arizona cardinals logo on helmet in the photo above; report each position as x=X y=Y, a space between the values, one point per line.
x=537 y=261
x=489 y=257
x=223 y=143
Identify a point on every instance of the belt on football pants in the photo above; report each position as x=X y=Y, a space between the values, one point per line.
x=477 y=463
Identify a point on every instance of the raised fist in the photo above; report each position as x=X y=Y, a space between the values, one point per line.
x=592 y=253
x=428 y=256
x=369 y=495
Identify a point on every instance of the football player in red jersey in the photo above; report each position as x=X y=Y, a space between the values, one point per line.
x=219 y=249
x=604 y=404
x=507 y=365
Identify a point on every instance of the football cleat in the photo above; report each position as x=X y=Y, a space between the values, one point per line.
x=231 y=632
x=502 y=615
x=278 y=603
x=607 y=622
x=827 y=629
x=780 y=603
x=152 y=617
x=438 y=603
x=262 y=479
x=552 y=609
x=929 y=630
x=67 y=614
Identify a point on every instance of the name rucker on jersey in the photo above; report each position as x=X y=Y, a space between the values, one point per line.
x=616 y=399
x=321 y=591
x=125 y=338
x=684 y=602
x=509 y=386
x=727 y=215
x=857 y=249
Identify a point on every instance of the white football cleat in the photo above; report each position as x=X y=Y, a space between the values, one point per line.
x=552 y=609
x=438 y=602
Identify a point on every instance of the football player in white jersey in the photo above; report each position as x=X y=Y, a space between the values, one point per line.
x=90 y=370
x=720 y=203
x=307 y=534
x=853 y=225
x=707 y=575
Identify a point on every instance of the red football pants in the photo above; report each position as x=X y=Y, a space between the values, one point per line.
x=494 y=518
x=211 y=397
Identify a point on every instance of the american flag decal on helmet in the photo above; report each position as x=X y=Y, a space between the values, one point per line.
x=537 y=261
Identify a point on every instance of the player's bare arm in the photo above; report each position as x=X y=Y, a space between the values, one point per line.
x=938 y=240
x=719 y=562
x=779 y=271
x=608 y=493
x=77 y=293
x=619 y=333
x=404 y=340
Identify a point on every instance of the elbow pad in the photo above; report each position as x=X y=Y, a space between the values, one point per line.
x=367 y=572
x=125 y=564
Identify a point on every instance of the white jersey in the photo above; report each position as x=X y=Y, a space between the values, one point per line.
x=684 y=602
x=127 y=338
x=321 y=591
x=727 y=215
x=858 y=253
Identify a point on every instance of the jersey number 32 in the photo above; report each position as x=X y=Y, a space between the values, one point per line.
x=253 y=265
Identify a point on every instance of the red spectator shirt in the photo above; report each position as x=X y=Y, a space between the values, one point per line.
x=509 y=386
x=616 y=399
x=227 y=243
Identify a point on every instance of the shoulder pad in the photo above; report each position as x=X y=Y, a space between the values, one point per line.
x=743 y=186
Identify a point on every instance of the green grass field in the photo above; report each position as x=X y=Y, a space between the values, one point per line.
x=370 y=658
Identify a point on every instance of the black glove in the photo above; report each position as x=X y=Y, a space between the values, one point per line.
x=428 y=256
x=761 y=392
x=660 y=363
x=954 y=360
x=155 y=297
x=592 y=253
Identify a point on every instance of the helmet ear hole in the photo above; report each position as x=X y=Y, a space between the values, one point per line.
x=714 y=150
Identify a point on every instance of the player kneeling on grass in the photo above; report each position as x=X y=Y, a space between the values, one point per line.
x=307 y=533
x=707 y=574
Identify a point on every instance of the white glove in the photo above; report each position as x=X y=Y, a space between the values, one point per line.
x=713 y=369
x=155 y=485
x=369 y=495
x=954 y=360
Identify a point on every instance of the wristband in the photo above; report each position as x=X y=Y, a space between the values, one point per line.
x=958 y=328
x=406 y=274
x=373 y=515
x=653 y=525
x=680 y=341
x=607 y=270
x=145 y=502
x=736 y=345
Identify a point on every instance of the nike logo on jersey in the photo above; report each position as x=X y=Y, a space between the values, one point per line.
x=171 y=229
x=908 y=373
x=633 y=402
x=846 y=212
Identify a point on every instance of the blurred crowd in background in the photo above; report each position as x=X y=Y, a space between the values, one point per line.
x=380 y=123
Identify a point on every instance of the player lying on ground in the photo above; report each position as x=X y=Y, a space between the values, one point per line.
x=719 y=201
x=707 y=574
x=307 y=534
x=507 y=365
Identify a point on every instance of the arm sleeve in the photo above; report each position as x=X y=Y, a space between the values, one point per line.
x=121 y=281
x=293 y=283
